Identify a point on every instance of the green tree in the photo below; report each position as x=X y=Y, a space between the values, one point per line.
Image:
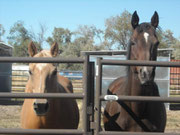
x=61 y=36
x=40 y=36
x=86 y=38
x=2 y=31
x=89 y=38
x=118 y=31
x=166 y=39
x=19 y=38
x=176 y=52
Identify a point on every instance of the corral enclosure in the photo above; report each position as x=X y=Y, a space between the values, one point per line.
x=113 y=76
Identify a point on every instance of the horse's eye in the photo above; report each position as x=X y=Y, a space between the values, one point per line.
x=132 y=43
x=30 y=72
x=54 y=72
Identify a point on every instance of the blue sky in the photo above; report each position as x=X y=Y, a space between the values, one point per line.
x=72 y=13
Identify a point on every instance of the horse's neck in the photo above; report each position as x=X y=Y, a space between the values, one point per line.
x=133 y=84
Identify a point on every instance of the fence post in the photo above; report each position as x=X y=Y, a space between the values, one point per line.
x=97 y=98
x=88 y=105
x=85 y=89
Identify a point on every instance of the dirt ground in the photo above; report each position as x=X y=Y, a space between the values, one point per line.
x=10 y=118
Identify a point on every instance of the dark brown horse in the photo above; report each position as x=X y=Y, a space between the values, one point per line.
x=138 y=82
x=48 y=113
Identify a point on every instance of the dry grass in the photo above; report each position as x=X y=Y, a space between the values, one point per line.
x=173 y=121
x=10 y=118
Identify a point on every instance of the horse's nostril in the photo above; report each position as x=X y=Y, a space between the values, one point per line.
x=41 y=108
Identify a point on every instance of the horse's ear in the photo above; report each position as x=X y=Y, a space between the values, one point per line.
x=54 y=49
x=135 y=20
x=32 y=49
x=155 y=19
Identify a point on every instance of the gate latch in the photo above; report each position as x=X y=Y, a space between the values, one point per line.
x=110 y=97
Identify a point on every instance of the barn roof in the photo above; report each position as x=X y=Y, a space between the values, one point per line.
x=5 y=49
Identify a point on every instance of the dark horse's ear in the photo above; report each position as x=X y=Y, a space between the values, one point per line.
x=135 y=20
x=32 y=49
x=54 y=49
x=155 y=19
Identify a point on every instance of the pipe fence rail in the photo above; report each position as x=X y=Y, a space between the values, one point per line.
x=42 y=131
x=131 y=133
x=41 y=60
x=91 y=117
x=43 y=95
x=140 y=98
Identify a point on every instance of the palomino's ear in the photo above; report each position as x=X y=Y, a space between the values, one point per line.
x=54 y=50
x=135 y=20
x=32 y=49
x=155 y=19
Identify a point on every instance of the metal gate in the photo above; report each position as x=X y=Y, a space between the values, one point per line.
x=91 y=116
x=100 y=97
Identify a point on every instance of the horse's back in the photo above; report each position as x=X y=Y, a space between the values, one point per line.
x=117 y=86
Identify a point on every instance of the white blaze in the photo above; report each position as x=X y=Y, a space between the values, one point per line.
x=146 y=35
x=145 y=69
x=40 y=66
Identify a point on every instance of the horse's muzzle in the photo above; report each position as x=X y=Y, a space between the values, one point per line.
x=41 y=106
x=145 y=74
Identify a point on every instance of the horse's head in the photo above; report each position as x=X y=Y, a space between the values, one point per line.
x=43 y=77
x=143 y=46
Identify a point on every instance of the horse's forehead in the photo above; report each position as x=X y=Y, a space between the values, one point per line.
x=144 y=27
x=41 y=66
x=143 y=34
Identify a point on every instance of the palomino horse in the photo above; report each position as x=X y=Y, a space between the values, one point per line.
x=138 y=82
x=48 y=113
